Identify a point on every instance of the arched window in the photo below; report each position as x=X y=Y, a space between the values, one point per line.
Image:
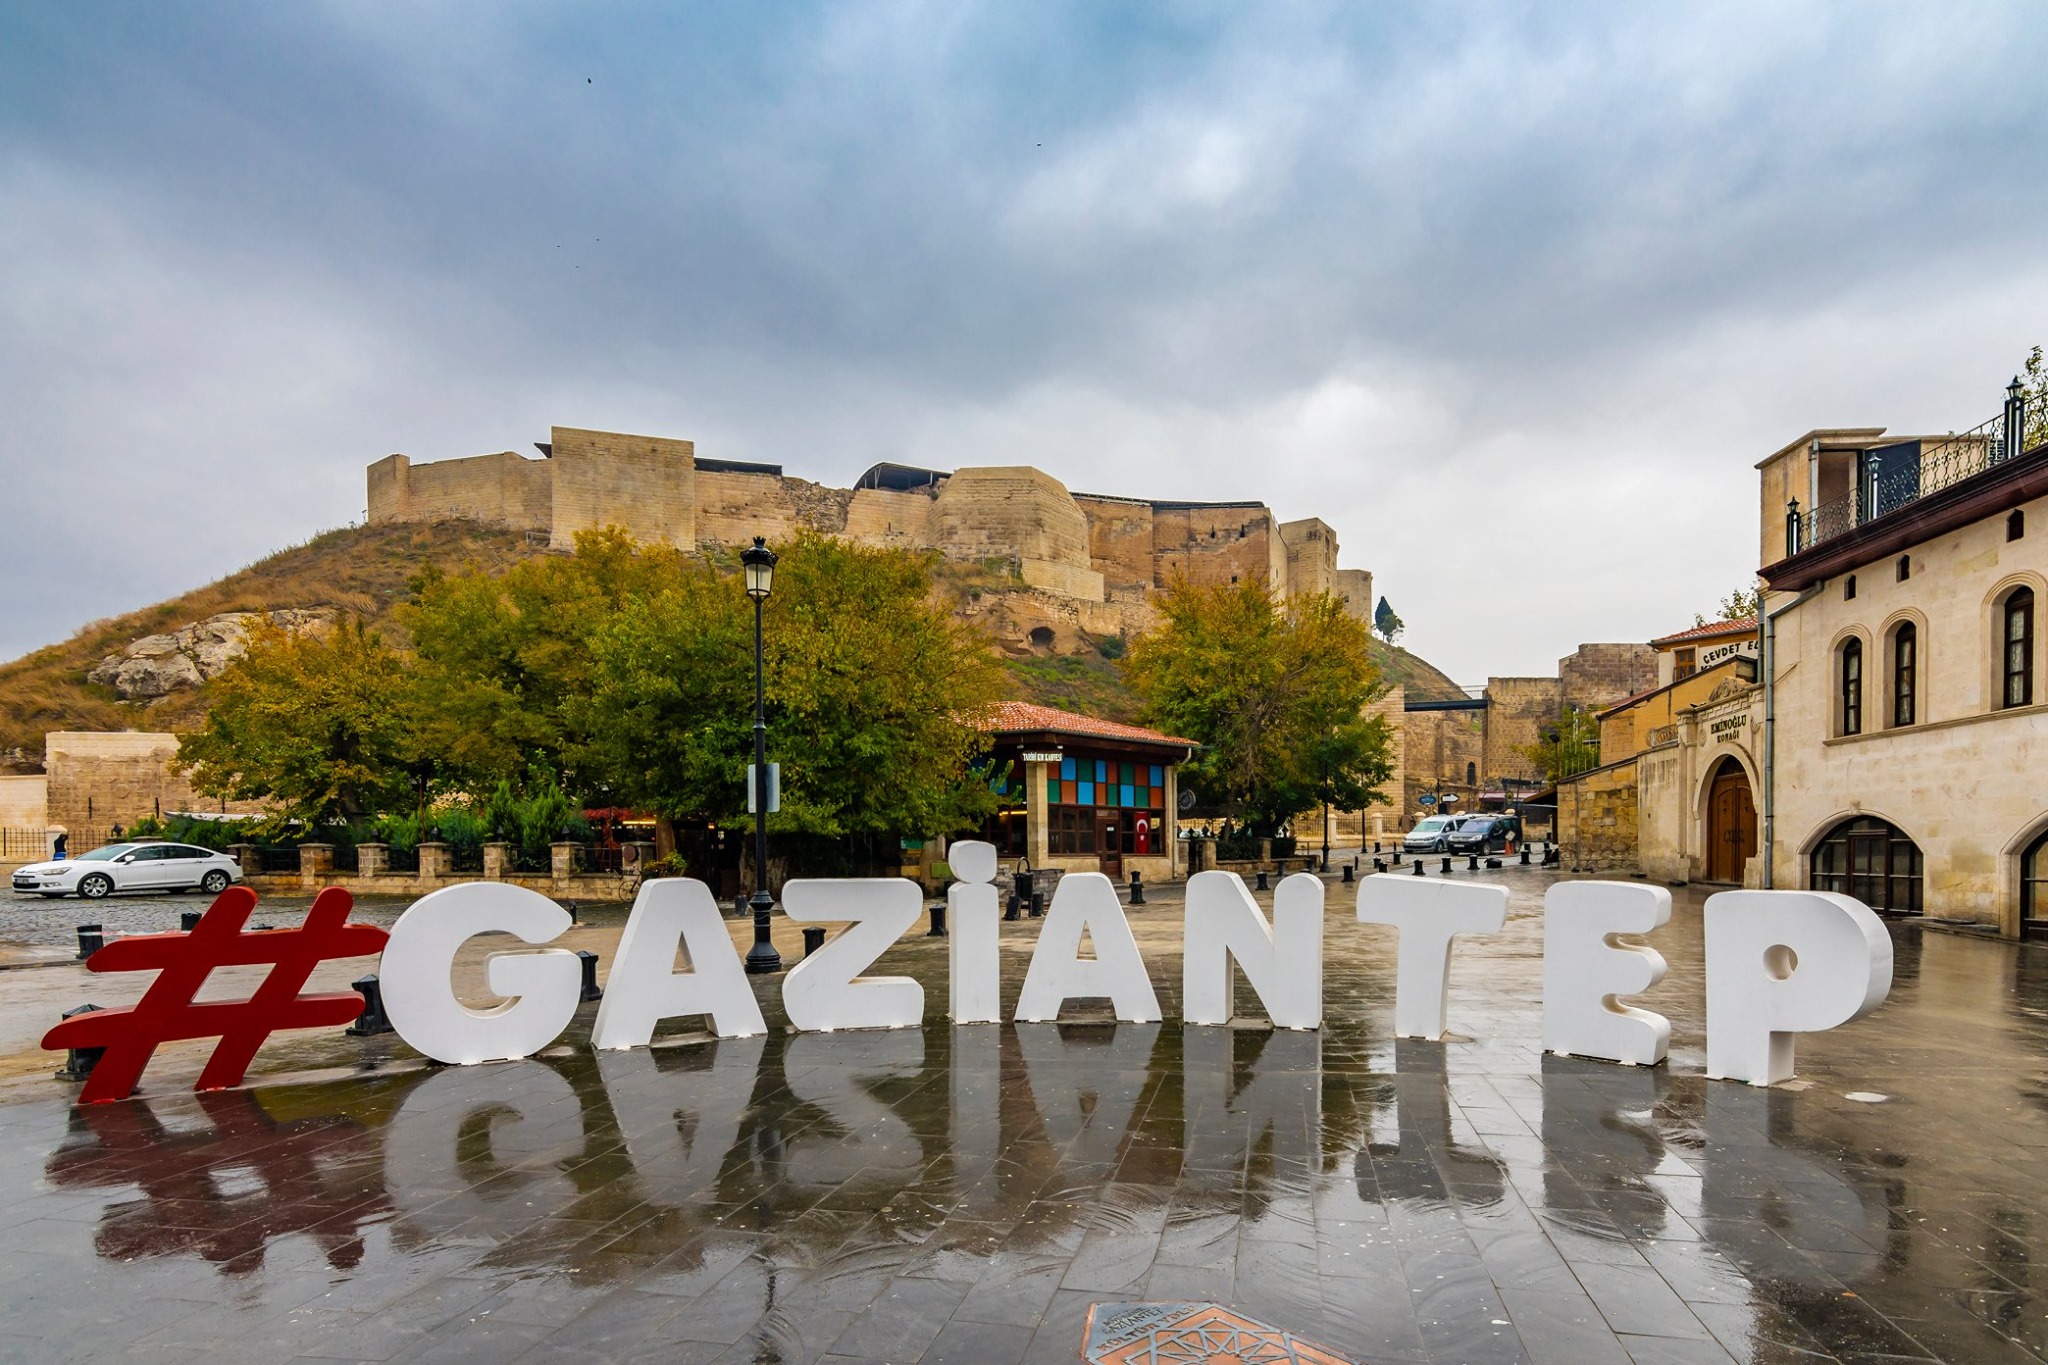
x=1905 y=672
x=1852 y=687
x=2017 y=665
x=1873 y=861
x=2034 y=889
x=1471 y=774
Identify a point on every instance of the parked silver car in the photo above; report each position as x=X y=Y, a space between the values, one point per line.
x=1431 y=835
x=153 y=867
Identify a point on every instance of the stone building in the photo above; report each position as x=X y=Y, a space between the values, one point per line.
x=1087 y=562
x=1905 y=708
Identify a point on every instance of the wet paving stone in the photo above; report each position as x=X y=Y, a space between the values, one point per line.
x=971 y=1194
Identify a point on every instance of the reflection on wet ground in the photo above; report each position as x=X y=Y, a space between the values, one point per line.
x=966 y=1194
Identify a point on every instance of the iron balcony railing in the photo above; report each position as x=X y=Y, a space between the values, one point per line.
x=1896 y=476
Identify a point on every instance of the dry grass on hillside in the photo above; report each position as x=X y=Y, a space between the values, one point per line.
x=361 y=569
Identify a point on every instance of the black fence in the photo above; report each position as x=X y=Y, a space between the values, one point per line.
x=274 y=858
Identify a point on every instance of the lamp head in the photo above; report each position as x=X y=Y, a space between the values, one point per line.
x=758 y=563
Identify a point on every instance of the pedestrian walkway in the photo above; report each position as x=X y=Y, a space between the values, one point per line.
x=1086 y=1190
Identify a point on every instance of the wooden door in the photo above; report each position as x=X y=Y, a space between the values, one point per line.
x=1731 y=824
x=1109 y=843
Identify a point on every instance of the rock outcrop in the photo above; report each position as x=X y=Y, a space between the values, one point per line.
x=157 y=665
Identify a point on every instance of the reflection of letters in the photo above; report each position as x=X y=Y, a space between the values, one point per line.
x=679 y=1125
x=822 y=992
x=481 y=1151
x=644 y=988
x=1585 y=970
x=1223 y=1122
x=1428 y=914
x=1282 y=961
x=1840 y=1229
x=1424 y=1159
x=1786 y=962
x=1085 y=1083
x=836 y=1075
x=975 y=1140
x=419 y=959
x=1085 y=902
x=1600 y=1137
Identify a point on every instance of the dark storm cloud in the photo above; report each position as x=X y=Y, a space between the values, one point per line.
x=1509 y=295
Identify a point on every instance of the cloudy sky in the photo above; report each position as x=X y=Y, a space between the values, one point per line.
x=1512 y=296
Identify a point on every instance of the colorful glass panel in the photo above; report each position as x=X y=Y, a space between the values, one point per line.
x=1158 y=776
x=1067 y=769
x=1085 y=793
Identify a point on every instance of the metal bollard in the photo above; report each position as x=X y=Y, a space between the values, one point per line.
x=570 y=906
x=1417 y=865
x=591 y=990
x=372 y=1020
x=188 y=920
x=1137 y=888
x=79 y=1061
x=1038 y=905
x=1262 y=880
x=938 y=929
x=90 y=940
x=1447 y=866
x=1347 y=874
x=1472 y=865
x=1375 y=845
x=1397 y=857
x=739 y=905
x=814 y=939
x=1493 y=863
x=1379 y=864
x=1010 y=910
x=1525 y=855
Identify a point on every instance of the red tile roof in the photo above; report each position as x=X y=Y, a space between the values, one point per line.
x=1740 y=626
x=1010 y=716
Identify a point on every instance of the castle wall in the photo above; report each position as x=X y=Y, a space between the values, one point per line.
x=24 y=800
x=1120 y=540
x=1599 y=675
x=1438 y=749
x=1517 y=709
x=1017 y=512
x=500 y=490
x=1215 y=544
x=645 y=485
x=884 y=516
x=1354 y=589
x=1311 y=549
x=733 y=508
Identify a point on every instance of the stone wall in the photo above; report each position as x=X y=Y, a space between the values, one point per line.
x=1120 y=539
x=97 y=780
x=1017 y=512
x=1596 y=819
x=1215 y=543
x=882 y=516
x=645 y=485
x=1354 y=588
x=1599 y=675
x=1517 y=709
x=1438 y=747
x=500 y=490
x=24 y=800
x=1311 y=548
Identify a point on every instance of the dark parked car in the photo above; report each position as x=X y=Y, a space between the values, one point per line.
x=1486 y=834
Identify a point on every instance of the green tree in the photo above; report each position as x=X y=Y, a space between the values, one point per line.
x=872 y=689
x=1741 y=603
x=501 y=660
x=1386 y=622
x=2035 y=383
x=1571 y=745
x=323 y=727
x=1274 y=696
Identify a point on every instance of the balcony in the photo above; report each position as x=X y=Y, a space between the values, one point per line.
x=1907 y=491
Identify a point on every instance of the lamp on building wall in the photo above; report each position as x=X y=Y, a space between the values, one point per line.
x=757 y=561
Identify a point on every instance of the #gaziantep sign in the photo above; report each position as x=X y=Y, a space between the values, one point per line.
x=1778 y=963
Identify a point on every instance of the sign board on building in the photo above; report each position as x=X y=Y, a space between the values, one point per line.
x=1054 y=757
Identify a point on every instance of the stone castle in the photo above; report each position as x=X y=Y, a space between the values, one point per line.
x=1088 y=563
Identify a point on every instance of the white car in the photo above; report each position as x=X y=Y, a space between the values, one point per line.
x=130 y=867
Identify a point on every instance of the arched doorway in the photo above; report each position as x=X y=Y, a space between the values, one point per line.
x=2034 y=889
x=1731 y=823
x=1876 y=862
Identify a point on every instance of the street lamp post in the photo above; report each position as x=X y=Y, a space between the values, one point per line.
x=758 y=563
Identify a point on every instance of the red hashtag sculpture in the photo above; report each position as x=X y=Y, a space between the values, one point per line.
x=168 y=1010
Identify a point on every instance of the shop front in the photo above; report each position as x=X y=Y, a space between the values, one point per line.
x=1085 y=795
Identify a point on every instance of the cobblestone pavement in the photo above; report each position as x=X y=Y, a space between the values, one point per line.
x=968 y=1194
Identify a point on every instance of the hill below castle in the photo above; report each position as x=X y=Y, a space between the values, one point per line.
x=148 y=669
